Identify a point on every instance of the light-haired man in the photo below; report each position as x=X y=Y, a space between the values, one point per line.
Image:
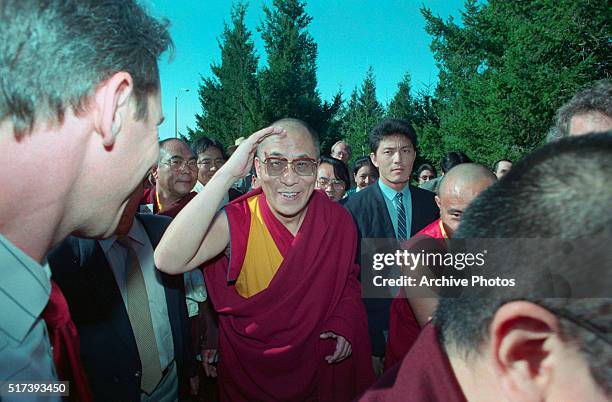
x=589 y=111
x=342 y=150
x=81 y=94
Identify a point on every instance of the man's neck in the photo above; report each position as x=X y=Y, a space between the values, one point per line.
x=398 y=187
x=292 y=223
x=166 y=199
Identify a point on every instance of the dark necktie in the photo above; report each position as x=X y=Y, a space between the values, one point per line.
x=401 y=217
x=140 y=318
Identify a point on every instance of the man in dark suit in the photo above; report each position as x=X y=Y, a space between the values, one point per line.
x=131 y=350
x=390 y=209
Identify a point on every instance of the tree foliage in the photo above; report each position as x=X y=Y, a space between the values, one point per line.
x=507 y=68
x=289 y=81
x=362 y=113
x=231 y=105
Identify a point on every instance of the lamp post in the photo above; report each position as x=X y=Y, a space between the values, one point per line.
x=176 y=111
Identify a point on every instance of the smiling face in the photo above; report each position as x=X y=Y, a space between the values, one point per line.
x=365 y=176
x=175 y=183
x=394 y=159
x=287 y=194
x=209 y=162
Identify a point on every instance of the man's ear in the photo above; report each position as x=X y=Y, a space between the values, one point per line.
x=438 y=203
x=111 y=99
x=373 y=159
x=258 y=167
x=523 y=337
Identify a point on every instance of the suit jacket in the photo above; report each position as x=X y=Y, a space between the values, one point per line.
x=372 y=219
x=108 y=347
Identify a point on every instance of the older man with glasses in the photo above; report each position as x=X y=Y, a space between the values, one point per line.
x=292 y=324
x=175 y=175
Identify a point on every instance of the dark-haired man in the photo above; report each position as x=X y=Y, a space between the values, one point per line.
x=79 y=91
x=391 y=208
x=292 y=324
x=175 y=175
x=524 y=343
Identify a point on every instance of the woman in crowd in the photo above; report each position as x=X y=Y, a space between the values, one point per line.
x=364 y=173
x=425 y=172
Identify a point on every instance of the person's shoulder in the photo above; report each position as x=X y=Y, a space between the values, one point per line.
x=151 y=219
x=359 y=198
x=423 y=194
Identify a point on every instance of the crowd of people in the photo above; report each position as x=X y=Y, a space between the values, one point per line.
x=144 y=270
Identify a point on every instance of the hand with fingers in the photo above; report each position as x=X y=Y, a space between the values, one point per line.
x=241 y=161
x=343 y=347
x=209 y=362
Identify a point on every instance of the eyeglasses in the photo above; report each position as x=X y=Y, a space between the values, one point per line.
x=208 y=163
x=301 y=166
x=323 y=182
x=177 y=164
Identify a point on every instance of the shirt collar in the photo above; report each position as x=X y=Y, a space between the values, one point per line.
x=137 y=233
x=390 y=193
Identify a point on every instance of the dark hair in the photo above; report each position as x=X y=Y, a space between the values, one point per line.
x=426 y=166
x=361 y=162
x=497 y=162
x=597 y=98
x=452 y=159
x=340 y=170
x=390 y=127
x=55 y=53
x=543 y=196
x=201 y=144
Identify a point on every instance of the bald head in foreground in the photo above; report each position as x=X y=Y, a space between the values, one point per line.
x=458 y=188
x=520 y=345
x=292 y=324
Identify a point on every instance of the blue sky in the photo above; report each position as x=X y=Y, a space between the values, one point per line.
x=351 y=35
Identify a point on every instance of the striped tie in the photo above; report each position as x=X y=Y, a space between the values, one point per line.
x=140 y=318
x=401 y=217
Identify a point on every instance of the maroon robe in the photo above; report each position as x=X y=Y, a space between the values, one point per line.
x=66 y=345
x=403 y=325
x=425 y=375
x=149 y=197
x=269 y=343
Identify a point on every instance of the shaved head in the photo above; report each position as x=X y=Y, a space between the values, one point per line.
x=457 y=190
x=173 y=146
x=295 y=126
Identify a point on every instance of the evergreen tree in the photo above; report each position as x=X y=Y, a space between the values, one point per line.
x=289 y=83
x=403 y=106
x=507 y=68
x=231 y=105
x=362 y=114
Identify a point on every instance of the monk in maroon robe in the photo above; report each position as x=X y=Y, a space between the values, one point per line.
x=175 y=175
x=292 y=323
x=457 y=189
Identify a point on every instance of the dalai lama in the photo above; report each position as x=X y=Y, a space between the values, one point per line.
x=280 y=272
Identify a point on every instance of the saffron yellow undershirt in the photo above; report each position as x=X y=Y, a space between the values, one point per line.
x=262 y=258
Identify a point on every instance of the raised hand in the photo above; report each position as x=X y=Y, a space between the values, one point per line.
x=241 y=161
